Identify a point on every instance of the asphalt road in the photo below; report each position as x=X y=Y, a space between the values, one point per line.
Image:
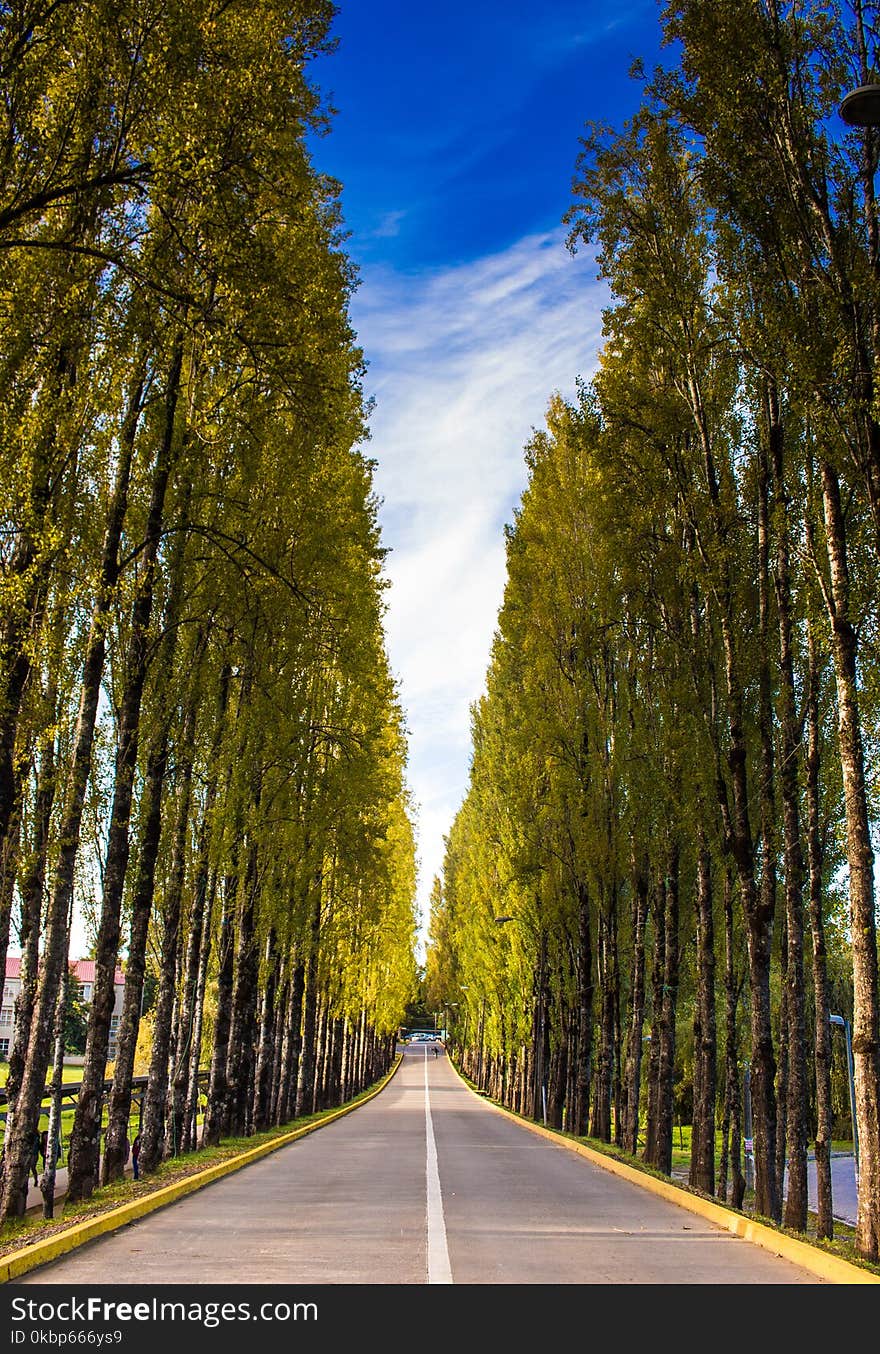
x=424 y=1184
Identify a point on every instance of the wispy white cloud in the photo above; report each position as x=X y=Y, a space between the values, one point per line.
x=462 y=364
x=389 y=225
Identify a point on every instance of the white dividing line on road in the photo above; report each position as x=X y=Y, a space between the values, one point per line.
x=439 y=1268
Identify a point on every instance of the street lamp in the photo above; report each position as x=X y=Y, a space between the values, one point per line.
x=847 y=1033
x=861 y=107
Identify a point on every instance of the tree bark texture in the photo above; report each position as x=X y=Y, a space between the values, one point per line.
x=585 y=988
x=795 y=1214
x=759 y=926
x=154 y=1105
x=821 y=1003
x=860 y=858
x=83 y=1158
x=702 y=1167
x=240 y=1065
x=16 y=1155
x=305 y=1091
x=633 y=1075
x=290 y=1056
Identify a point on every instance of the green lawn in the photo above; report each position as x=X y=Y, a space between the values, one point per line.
x=71 y=1076
x=681 y=1146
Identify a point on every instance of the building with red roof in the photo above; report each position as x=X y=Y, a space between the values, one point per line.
x=82 y=972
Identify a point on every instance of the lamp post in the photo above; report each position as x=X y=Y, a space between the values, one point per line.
x=861 y=107
x=847 y=1034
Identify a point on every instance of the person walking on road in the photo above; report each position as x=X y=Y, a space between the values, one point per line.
x=135 y=1154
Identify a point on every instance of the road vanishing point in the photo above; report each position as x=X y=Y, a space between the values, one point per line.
x=424 y=1184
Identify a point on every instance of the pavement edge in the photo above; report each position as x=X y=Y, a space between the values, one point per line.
x=829 y=1267
x=14 y=1265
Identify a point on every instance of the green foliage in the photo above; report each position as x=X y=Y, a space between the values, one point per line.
x=673 y=592
x=76 y=1020
x=191 y=529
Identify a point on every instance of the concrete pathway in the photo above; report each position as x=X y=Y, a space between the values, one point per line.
x=425 y=1184
x=845 y=1199
x=35 y=1197
x=843 y=1185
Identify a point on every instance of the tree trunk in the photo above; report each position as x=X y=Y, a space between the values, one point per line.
x=540 y=1045
x=617 y=1087
x=53 y=1132
x=639 y=917
x=782 y=1065
x=153 y=1126
x=584 y=1013
x=732 y=1101
x=305 y=1091
x=9 y=861
x=345 y=1074
x=666 y=1069
x=795 y=1214
x=600 y=1126
x=767 y=804
x=17 y=1146
x=658 y=962
x=216 y=1114
x=179 y=1128
x=266 y=1047
x=322 y=1057
x=240 y=1062
x=25 y=575
x=336 y=1096
x=759 y=926
x=290 y=1055
x=702 y=1166
x=860 y=858
x=190 y=1138
x=83 y=1158
x=815 y=855
x=558 y=1074
x=279 y=1035
x=184 y=1079
x=119 y=1109
x=32 y=889
x=116 y=1149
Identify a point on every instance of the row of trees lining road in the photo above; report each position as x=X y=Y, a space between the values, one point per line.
x=200 y=739
x=673 y=780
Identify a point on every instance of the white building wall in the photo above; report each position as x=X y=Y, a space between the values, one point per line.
x=11 y=988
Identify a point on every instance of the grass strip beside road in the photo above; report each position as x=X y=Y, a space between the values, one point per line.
x=27 y=1244
x=820 y=1258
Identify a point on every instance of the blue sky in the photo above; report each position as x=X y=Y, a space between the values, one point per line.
x=458 y=123
x=455 y=139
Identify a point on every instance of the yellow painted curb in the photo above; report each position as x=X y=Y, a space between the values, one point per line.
x=41 y=1252
x=830 y=1267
